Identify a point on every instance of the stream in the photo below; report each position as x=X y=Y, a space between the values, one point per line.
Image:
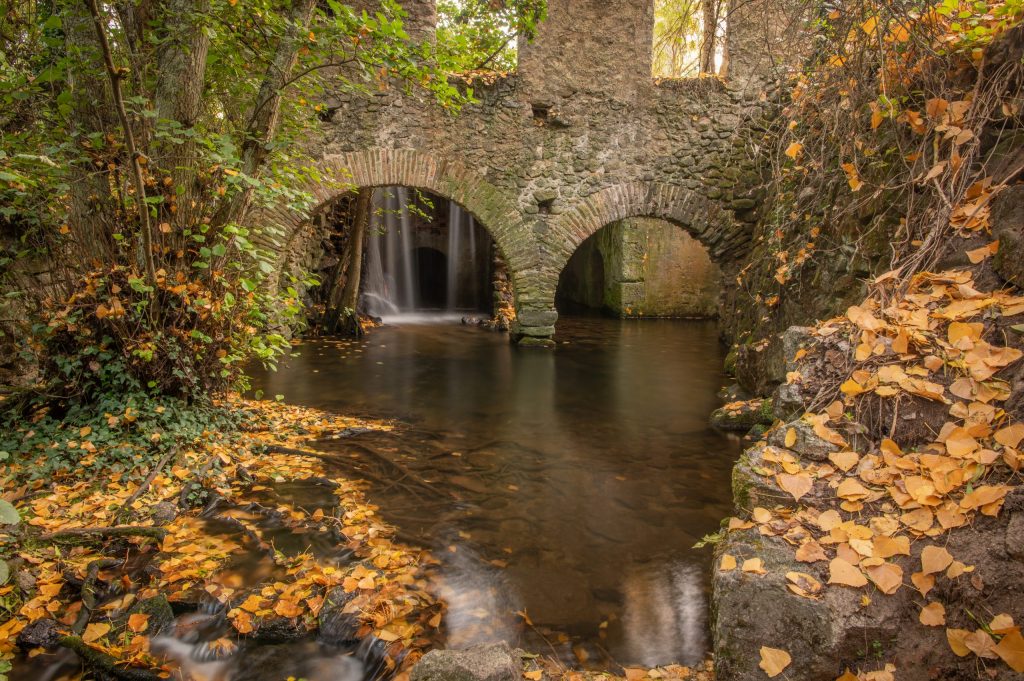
x=563 y=490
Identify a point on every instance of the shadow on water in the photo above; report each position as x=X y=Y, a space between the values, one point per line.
x=567 y=487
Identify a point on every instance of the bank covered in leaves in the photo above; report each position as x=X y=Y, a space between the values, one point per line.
x=246 y=529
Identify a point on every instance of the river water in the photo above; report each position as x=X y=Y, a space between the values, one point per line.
x=570 y=484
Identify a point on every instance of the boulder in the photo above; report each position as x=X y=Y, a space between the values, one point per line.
x=751 y=610
x=495 y=662
x=1007 y=220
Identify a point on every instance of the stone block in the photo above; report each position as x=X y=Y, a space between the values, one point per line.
x=495 y=662
x=546 y=318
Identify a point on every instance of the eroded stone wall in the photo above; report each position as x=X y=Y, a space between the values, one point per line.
x=580 y=137
x=641 y=268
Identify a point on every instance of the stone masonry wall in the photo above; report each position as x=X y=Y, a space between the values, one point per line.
x=580 y=137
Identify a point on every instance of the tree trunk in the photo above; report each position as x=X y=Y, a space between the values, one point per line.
x=266 y=113
x=91 y=200
x=181 y=64
x=709 y=16
x=342 y=307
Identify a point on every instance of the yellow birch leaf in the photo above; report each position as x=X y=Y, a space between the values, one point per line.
x=797 y=485
x=935 y=559
x=95 y=631
x=843 y=572
x=933 y=615
x=773 y=661
x=1011 y=650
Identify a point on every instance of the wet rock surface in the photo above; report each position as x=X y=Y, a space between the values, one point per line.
x=495 y=662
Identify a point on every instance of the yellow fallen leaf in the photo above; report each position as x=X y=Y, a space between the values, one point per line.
x=888 y=577
x=923 y=582
x=810 y=552
x=773 y=661
x=956 y=637
x=844 y=460
x=727 y=563
x=791 y=438
x=794 y=149
x=138 y=622
x=95 y=631
x=843 y=572
x=933 y=615
x=1011 y=435
x=935 y=559
x=797 y=485
x=535 y=675
x=1011 y=650
x=983 y=496
x=754 y=566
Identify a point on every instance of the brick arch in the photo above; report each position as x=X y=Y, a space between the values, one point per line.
x=282 y=229
x=706 y=220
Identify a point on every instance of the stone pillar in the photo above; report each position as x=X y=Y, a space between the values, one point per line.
x=534 y=327
x=601 y=46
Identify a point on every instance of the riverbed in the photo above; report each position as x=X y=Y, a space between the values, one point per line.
x=571 y=485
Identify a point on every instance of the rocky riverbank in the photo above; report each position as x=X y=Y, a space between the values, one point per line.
x=880 y=526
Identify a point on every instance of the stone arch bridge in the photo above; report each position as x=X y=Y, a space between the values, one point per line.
x=581 y=136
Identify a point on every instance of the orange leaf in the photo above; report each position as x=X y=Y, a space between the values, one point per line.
x=843 y=572
x=773 y=661
x=138 y=622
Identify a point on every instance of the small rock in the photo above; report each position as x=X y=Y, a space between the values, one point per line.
x=480 y=663
x=164 y=513
x=1015 y=536
x=807 y=445
x=43 y=633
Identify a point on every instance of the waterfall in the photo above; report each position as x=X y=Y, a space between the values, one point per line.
x=392 y=275
x=454 y=243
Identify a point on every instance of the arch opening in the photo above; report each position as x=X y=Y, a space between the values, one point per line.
x=640 y=268
x=420 y=252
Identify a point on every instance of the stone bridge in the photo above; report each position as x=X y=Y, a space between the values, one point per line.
x=581 y=136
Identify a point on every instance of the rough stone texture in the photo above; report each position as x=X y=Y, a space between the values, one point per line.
x=579 y=138
x=480 y=663
x=839 y=631
x=642 y=268
x=750 y=611
x=1007 y=220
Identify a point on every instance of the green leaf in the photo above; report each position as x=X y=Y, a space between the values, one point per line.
x=8 y=514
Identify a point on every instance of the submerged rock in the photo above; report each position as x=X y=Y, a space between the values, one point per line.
x=495 y=662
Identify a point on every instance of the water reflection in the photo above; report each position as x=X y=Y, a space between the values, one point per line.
x=571 y=484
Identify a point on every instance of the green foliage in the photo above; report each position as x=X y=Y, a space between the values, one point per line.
x=474 y=35
x=118 y=433
x=159 y=287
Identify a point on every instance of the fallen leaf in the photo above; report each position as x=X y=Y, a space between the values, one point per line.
x=797 y=485
x=754 y=566
x=727 y=563
x=536 y=675
x=956 y=637
x=888 y=577
x=1011 y=650
x=138 y=622
x=95 y=631
x=773 y=661
x=933 y=615
x=843 y=572
x=935 y=559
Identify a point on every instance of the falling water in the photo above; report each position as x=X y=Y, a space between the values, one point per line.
x=391 y=278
